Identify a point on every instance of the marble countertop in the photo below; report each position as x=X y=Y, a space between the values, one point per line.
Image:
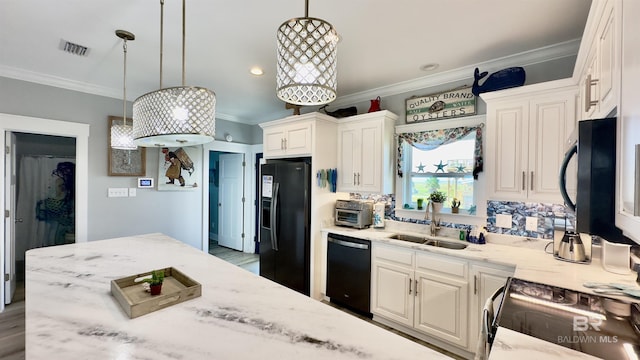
x=531 y=263
x=70 y=313
x=528 y=257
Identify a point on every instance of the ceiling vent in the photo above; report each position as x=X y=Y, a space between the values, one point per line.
x=72 y=48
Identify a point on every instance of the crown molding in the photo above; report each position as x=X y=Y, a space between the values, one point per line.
x=530 y=57
x=535 y=56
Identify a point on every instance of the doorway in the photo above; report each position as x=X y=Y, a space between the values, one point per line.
x=44 y=194
x=10 y=125
x=229 y=209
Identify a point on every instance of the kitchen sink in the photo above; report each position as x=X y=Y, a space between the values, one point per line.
x=410 y=238
x=431 y=242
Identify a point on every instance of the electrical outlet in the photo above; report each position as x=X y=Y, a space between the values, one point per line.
x=503 y=221
x=132 y=192
x=118 y=192
x=532 y=223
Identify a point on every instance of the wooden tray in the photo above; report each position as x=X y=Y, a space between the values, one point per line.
x=176 y=288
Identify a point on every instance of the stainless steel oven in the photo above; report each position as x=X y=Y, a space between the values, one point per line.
x=596 y=325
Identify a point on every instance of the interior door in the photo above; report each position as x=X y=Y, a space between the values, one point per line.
x=230 y=201
x=10 y=207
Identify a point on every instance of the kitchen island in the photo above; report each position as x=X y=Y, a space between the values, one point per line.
x=71 y=314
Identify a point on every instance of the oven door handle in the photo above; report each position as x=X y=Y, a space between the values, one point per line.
x=487 y=316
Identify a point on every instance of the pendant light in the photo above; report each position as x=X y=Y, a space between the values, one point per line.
x=306 y=61
x=122 y=135
x=174 y=116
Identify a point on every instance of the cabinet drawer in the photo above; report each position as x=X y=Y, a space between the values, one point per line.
x=398 y=256
x=441 y=264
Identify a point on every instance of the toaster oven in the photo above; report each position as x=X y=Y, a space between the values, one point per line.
x=353 y=213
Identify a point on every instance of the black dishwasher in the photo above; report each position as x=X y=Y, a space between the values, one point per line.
x=349 y=272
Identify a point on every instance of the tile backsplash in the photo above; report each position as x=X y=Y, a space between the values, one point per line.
x=546 y=215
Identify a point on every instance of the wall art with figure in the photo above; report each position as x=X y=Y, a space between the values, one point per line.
x=179 y=169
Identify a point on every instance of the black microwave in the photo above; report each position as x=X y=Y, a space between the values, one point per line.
x=594 y=206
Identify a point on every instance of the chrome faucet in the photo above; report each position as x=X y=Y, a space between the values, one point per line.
x=434 y=226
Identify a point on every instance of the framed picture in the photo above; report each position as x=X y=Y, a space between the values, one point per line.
x=124 y=162
x=179 y=169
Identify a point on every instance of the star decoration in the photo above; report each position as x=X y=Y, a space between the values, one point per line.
x=420 y=167
x=440 y=167
x=460 y=168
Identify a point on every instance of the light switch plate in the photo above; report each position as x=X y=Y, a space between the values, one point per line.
x=532 y=223
x=132 y=192
x=118 y=192
x=503 y=221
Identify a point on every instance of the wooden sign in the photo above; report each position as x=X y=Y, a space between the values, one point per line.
x=445 y=105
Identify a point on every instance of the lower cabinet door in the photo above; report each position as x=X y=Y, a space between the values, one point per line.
x=441 y=307
x=393 y=293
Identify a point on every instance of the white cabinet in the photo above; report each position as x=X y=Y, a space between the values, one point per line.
x=628 y=201
x=486 y=280
x=365 y=153
x=441 y=294
x=599 y=75
x=287 y=139
x=421 y=291
x=525 y=140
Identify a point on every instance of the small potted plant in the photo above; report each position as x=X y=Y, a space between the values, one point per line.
x=437 y=198
x=155 y=282
x=455 y=206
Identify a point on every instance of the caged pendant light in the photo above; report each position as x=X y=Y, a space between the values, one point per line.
x=174 y=116
x=122 y=135
x=306 y=61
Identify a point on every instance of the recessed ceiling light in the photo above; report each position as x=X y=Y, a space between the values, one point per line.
x=256 y=71
x=429 y=67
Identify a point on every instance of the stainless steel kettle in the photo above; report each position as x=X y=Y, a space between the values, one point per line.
x=571 y=247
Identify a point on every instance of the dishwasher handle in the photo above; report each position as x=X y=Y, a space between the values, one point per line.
x=350 y=244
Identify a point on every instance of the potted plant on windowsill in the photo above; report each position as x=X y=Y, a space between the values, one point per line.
x=455 y=206
x=437 y=199
x=155 y=282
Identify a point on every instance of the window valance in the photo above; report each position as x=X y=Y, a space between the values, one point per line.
x=431 y=139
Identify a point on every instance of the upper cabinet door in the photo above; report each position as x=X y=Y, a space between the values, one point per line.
x=526 y=140
x=608 y=60
x=507 y=149
x=551 y=121
x=365 y=150
x=287 y=140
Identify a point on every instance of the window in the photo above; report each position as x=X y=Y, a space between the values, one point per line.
x=447 y=168
x=444 y=156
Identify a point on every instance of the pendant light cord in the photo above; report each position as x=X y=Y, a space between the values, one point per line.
x=161 y=37
x=124 y=84
x=184 y=11
x=306 y=8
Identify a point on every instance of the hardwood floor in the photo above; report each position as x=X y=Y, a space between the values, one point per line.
x=12 y=327
x=250 y=262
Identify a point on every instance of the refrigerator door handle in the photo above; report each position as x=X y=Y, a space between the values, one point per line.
x=274 y=217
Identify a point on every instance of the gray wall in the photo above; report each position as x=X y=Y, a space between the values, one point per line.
x=177 y=214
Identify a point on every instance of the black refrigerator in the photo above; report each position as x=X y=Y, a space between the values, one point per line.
x=285 y=223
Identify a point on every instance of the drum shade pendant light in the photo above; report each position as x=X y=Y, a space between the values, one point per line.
x=122 y=135
x=174 y=116
x=306 y=61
